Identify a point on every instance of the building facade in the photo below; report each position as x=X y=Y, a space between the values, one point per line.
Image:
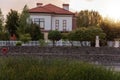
x=50 y=17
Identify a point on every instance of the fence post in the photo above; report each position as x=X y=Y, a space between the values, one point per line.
x=116 y=44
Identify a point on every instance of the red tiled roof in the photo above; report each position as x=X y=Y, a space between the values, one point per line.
x=50 y=8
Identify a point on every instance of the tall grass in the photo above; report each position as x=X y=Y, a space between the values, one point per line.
x=29 y=68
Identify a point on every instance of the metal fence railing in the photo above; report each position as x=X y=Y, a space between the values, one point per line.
x=49 y=43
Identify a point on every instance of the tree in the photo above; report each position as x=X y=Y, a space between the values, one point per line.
x=71 y=37
x=23 y=24
x=54 y=36
x=92 y=32
x=1 y=21
x=35 y=32
x=4 y=36
x=111 y=28
x=12 y=22
x=86 y=34
x=88 y=18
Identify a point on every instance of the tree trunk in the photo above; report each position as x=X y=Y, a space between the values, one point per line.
x=53 y=43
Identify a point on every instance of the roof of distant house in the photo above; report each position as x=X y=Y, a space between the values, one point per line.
x=50 y=8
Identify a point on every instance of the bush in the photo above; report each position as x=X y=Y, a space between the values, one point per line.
x=42 y=42
x=18 y=43
x=24 y=68
x=25 y=38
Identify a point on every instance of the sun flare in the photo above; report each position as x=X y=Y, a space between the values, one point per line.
x=113 y=9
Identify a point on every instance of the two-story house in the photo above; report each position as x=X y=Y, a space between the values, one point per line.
x=50 y=17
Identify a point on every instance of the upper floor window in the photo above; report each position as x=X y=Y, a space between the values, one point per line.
x=40 y=22
x=57 y=24
x=64 y=25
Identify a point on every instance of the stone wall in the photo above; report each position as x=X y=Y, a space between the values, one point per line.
x=103 y=55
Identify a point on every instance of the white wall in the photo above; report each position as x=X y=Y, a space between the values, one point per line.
x=47 y=18
x=50 y=21
x=61 y=18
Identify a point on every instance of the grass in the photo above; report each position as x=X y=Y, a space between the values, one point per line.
x=31 y=68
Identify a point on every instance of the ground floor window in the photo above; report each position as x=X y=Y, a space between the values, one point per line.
x=56 y=24
x=40 y=22
x=64 y=25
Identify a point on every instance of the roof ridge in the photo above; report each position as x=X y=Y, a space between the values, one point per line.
x=47 y=8
x=50 y=8
x=57 y=7
x=38 y=7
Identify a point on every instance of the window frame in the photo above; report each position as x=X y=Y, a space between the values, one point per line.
x=56 y=24
x=39 y=21
x=64 y=25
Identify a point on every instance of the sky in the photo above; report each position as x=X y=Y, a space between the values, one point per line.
x=107 y=8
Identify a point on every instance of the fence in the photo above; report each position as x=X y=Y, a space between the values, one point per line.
x=58 y=43
x=48 y=43
x=13 y=43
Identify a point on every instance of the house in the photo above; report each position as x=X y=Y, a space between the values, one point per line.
x=50 y=17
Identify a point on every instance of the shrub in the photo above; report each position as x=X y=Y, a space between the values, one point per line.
x=42 y=42
x=25 y=38
x=18 y=43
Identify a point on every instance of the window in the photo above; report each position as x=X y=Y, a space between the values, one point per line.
x=40 y=22
x=64 y=25
x=57 y=24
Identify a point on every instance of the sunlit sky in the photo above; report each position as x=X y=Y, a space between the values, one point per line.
x=107 y=8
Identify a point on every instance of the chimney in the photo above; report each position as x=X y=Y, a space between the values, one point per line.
x=39 y=4
x=66 y=6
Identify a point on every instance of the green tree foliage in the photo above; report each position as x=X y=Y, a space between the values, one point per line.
x=92 y=32
x=25 y=38
x=111 y=28
x=88 y=18
x=4 y=36
x=35 y=32
x=28 y=28
x=23 y=24
x=12 y=22
x=1 y=21
x=64 y=36
x=71 y=37
x=86 y=34
x=54 y=36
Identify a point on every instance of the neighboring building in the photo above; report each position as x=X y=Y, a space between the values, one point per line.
x=50 y=17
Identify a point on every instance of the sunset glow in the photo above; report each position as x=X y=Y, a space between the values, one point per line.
x=113 y=9
x=107 y=8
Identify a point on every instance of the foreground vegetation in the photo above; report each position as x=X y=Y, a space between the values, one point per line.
x=24 y=68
